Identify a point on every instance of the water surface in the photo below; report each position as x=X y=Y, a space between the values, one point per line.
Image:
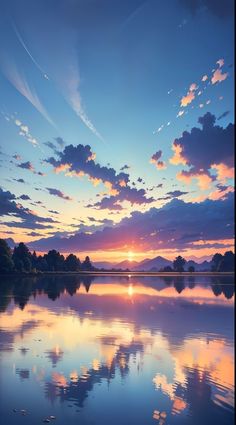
x=117 y=350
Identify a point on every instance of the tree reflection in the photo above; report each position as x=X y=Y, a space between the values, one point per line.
x=21 y=289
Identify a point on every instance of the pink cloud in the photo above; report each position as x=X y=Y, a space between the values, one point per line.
x=218 y=76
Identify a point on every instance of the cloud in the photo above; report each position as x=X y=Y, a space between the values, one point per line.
x=160 y=165
x=51 y=146
x=28 y=166
x=56 y=192
x=180 y=113
x=201 y=148
x=218 y=76
x=220 y=62
x=125 y=167
x=80 y=160
x=204 y=78
x=60 y=142
x=20 y=180
x=169 y=227
x=223 y=115
x=19 y=81
x=28 y=219
x=25 y=132
x=189 y=97
x=17 y=157
x=24 y=197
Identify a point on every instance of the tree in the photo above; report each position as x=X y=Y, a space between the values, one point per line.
x=191 y=269
x=167 y=269
x=6 y=263
x=216 y=262
x=72 y=263
x=55 y=260
x=179 y=263
x=86 y=265
x=22 y=258
x=227 y=263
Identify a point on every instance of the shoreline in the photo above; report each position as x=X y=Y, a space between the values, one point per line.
x=115 y=273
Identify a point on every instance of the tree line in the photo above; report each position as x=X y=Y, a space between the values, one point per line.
x=22 y=260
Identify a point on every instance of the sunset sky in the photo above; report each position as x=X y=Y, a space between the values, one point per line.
x=116 y=127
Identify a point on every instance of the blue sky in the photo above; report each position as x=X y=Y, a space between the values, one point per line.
x=111 y=75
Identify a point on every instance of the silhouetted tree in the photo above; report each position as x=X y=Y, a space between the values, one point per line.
x=167 y=269
x=216 y=262
x=34 y=260
x=6 y=263
x=227 y=263
x=179 y=263
x=55 y=260
x=22 y=258
x=41 y=264
x=86 y=265
x=191 y=269
x=72 y=263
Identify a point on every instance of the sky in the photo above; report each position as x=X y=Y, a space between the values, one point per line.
x=117 y=127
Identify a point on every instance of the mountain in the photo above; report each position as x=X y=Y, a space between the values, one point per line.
x=127 y=264
x=103 y=265
x=155 y=264
x=199 y=267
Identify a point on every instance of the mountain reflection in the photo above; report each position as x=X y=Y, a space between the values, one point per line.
x=21 y=289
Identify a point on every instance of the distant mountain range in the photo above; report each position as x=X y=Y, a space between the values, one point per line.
x=147 y=265
x=154 y=264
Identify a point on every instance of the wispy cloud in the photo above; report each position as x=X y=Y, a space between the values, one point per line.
x=19 y=81
x=70 y=89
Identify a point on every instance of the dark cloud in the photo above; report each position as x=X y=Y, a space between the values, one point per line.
x=168 y=227
x=60 y=141
x=28 y=219
x=201 y=148
x=24 y=197
x=139 y=180
x=156 y=156
x=53 y=211
x=125 y=167
x=56 y=192
x=225 y=114
x=34 y=234
x=19 y=180
x=220 y=8
x=80 y=160
x=173 y=194
x=26 y=166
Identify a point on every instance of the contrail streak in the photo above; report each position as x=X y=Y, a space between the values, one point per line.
x=28 y=52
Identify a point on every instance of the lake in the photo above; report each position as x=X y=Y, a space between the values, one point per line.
x=117 y=350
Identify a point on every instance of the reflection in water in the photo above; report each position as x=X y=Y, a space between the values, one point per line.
x=119 y=350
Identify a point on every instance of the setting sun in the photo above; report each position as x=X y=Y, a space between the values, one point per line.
x=130 y=256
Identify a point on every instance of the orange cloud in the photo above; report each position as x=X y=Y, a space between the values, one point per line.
x=220 y=194
x=177 y=158
x=218 y=76
x=62 y=167
x=203 y=180
x=223 y=172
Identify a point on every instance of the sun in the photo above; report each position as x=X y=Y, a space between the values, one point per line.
x=130 y=256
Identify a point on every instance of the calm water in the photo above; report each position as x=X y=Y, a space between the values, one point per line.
x=117 y=350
